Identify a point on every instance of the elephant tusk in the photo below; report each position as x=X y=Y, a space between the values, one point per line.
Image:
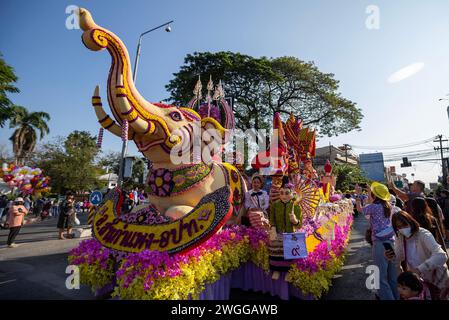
x=106 y=121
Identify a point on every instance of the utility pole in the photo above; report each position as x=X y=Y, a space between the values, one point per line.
x=440 y=140
x=346 y=147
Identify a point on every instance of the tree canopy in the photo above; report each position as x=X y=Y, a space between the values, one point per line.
x=70 y=163
x=24 y=138
x=262 y=86
x=7 y=85
x=26 y=123
x=111 y=162
x=348 y=176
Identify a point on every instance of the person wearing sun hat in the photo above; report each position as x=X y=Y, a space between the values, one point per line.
x=379 y=212
x=16 y=216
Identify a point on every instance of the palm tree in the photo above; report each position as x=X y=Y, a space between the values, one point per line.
x=7 y=81
x=24 y=137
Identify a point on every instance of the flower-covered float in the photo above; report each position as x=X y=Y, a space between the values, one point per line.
x=190 y=243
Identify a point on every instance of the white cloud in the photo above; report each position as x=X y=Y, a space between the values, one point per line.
x=406 y=72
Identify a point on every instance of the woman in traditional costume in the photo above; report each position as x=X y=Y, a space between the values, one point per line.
x=257 y=203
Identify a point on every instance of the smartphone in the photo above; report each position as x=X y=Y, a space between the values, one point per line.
x=388 y=246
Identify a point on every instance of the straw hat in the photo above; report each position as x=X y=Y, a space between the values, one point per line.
x=380 y=191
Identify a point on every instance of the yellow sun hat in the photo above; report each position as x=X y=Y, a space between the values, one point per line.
x=380 y=191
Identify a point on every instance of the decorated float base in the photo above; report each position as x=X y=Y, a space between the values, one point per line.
x=236 y=257
x=249 y=277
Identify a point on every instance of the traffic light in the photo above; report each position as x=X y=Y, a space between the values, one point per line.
x=405 y=163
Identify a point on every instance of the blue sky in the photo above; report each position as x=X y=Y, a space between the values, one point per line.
x=58 y=74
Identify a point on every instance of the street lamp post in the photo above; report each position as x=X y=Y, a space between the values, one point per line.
x=445 y=99
x=136 y=64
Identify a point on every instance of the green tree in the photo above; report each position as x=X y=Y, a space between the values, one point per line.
x=7 y=85
x=137 y=179
x=70 y=163
x=24 y=138
x=111 y=162
x=348 y=176
x=263 y=86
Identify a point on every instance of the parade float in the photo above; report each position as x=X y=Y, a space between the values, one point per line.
x=189 y=243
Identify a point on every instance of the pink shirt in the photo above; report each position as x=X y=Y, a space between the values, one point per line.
x=15 y=218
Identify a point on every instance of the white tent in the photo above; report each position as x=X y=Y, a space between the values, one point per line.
x=111 y=178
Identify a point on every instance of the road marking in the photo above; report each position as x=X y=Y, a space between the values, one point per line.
x=352 y=266
x=7 y=281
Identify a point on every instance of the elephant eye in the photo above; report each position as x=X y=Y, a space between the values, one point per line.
x=176 y=116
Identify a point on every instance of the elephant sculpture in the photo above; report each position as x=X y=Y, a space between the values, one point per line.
x=161 y=131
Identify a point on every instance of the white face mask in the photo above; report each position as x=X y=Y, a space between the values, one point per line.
x=406 y=232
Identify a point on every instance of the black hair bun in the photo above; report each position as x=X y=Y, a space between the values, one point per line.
x=285 y=181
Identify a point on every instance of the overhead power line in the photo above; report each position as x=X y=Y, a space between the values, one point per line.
x=400 y=146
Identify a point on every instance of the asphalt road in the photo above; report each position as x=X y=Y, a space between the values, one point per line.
x=349 y=283
x=36 y=269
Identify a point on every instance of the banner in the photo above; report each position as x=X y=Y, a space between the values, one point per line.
x=175 y=236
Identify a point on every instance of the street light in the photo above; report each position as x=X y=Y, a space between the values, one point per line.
x=447 y=109
x=136 y=64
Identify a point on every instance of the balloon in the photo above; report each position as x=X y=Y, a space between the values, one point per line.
x=11 y=184
x=36 y=171
x=26 y=187
x=28 y=180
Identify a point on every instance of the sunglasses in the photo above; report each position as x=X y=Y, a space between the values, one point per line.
x=285 y=193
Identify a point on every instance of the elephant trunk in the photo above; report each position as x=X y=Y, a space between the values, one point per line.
x=124 y=99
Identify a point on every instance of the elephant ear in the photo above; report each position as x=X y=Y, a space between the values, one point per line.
x=218 y=115
x=210 y=123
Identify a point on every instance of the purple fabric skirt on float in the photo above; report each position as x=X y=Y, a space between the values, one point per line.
x=248 y=277
x=219 y=290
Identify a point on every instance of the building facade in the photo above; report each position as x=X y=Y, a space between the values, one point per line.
x=336 y=155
